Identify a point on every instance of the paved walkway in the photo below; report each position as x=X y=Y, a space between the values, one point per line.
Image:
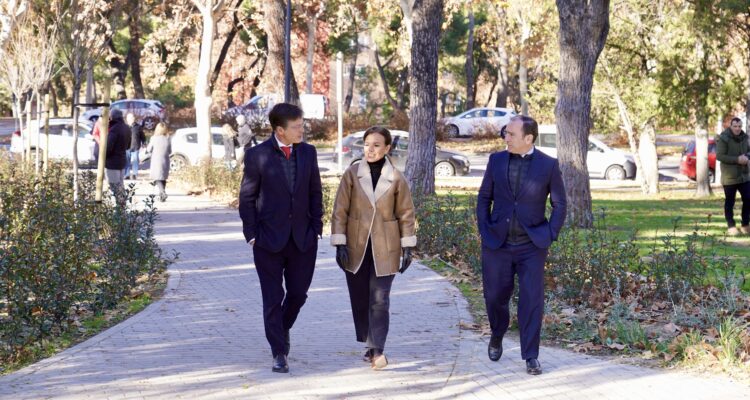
x=205 y=339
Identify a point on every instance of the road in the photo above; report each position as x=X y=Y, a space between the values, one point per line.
x=669 y=171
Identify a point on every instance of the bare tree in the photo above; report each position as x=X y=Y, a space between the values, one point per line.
x=84 y=28
x=10 y=12
x=13 y=69
x=420 y=164
x=584 y=25
x=209 y=10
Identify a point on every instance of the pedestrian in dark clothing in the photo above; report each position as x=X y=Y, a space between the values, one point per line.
x=137 y=141
x=516 y=235
x=733 y=151
x=118 y=142
x=281 y=206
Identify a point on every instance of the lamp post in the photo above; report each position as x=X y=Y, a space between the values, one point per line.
x=287 y=52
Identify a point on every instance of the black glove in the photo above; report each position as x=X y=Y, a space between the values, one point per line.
x=342 y=256
x=405 y=259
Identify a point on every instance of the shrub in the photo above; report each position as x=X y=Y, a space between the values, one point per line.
x=58 y=255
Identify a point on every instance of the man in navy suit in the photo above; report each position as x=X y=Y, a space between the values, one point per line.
x=516 y=235
x=281 y=206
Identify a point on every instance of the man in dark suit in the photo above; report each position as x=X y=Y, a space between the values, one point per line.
x=516 y=235
x=281 y=206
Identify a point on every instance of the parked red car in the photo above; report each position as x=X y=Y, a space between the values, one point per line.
x=687 y=162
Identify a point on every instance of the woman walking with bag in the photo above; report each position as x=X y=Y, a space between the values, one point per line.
x=372 y=227
x=160 y=149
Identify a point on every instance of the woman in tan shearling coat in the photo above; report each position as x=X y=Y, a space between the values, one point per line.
x=372 y=227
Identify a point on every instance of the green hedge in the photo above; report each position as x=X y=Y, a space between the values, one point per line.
x=59 y=256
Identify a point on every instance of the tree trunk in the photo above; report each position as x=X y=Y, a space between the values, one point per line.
x=703 y=188
x=492 y=92
x=203 y=98
x=76 y=95
x=90 y=86
x=502 y=78
x=134 y=54
x=584 y=26
x=641 y=175
x=403 y=87
x=119 y=70
x=407 y=10
x=420 y=164
x=273 y=79
x=312 y=25
x=523 y=83
x=386 y=90
x=747 y=94
x=469 y=65
x=352 y=76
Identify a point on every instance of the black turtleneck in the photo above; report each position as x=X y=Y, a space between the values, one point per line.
x=375 y=169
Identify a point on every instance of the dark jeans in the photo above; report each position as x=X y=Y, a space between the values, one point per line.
x=291 y=269
x=730 y=194
x=498 y=270
x=370 y=298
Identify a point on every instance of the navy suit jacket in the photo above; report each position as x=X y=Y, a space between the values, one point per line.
x=270 y=212
x=496 y=203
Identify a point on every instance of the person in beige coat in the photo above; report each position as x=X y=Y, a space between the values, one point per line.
x=373 y=226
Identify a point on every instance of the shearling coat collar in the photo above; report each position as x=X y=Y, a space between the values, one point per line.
x=384 y=183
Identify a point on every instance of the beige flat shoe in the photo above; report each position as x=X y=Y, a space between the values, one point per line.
x=733 y=231
x=379 y=362
x=745 y=230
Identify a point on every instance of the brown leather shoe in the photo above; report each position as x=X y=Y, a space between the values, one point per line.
x=379 y=361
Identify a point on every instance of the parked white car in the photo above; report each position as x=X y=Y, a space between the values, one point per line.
x=601 y=160
x=60 y=139
x=187 y=151
x=147 y=112
x=256 y=109
x=477 y=119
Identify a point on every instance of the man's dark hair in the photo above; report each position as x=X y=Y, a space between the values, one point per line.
x=282 y=113
x=115 y=113
x=379 y=129
x=528 y=125
x=735 y=119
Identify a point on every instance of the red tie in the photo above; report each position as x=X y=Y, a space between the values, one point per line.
x=287 y=151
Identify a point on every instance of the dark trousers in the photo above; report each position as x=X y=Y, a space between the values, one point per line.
x=498 y=270
x=291 y=269
x=730 y=195
x=370 y=299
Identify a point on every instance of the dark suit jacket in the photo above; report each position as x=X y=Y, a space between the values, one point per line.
x=496 y=203
x=270 y=212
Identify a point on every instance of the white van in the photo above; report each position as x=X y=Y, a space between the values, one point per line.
x=601 y=160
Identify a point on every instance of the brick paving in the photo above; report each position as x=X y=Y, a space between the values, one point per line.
x=205 y=339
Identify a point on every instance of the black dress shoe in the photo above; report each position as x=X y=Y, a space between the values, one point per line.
x=287 y=343
x=367 y=357
x=533 y=367
x=279 y=364
x=495 y=349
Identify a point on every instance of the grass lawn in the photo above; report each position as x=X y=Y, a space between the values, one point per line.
x=656 y=217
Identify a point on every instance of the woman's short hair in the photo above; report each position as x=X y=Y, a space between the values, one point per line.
x=379 y=129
